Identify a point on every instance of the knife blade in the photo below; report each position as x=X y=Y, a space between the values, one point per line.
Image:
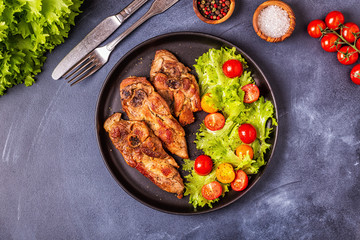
x=99 y=34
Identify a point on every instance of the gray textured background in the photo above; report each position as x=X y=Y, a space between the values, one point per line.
x=54 y=183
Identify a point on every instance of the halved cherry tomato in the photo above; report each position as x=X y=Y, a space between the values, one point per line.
x=211 y=190
x=243 y=150
x=241 y=181
x=225 y=173
x=355 y=74
x=334 y=19
x=232 y=68
x=203 y=165
x=349 y=30
x=347 y=55
x=330 y=42
x=214 y=121
x=252 y=93
x=314 y=28
x=206 y=104
x=247 y=133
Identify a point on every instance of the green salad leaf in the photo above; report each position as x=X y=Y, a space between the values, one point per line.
x=28 y=30
x=227 y=96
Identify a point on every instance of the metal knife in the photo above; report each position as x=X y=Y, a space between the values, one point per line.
x=99 y=34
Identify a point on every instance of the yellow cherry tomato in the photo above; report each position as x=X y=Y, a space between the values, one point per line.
x=225 y=173
x=207 y=105
x=243 y=150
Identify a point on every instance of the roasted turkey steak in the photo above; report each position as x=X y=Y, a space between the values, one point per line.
x=142 y=150
x=176 y=85
x=141 y=102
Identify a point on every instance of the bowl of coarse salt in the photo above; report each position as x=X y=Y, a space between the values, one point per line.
x=274 y=21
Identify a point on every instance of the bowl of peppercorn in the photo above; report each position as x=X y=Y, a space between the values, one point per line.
x=213 y=11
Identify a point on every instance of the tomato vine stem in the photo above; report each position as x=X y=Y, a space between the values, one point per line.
x=327 y=30
x=345 y=41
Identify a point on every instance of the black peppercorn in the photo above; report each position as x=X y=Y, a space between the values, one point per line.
x=213 y=9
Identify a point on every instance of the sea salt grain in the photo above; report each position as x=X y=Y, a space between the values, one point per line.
x=273 y=21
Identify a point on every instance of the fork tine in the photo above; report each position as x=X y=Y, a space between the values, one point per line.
x=89 y=73
x=77 y=65
x=82 y=69
x=81 y=72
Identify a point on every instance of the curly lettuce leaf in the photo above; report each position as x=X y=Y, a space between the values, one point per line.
x=195 y=182
x=28 y=30
x=227 y=96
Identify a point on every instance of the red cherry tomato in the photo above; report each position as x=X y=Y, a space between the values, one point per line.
x=252 y=93
x=334 y=19
x=241 y=181
x=211 y=190
x=329 y=42
x=247 y=133
x=314 y=28
x=347 y=55
x=203 y=165
x=232 y=68
x=355 y=74
x=349 y=30
x=357 y=45
x=214 y=121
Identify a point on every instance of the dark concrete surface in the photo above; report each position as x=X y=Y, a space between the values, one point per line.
x=55 y=185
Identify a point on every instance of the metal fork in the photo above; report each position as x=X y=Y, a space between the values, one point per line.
x=99 y=56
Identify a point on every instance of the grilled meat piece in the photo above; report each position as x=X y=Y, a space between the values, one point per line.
x=176 y=85
x=141 y=102
x=142 y=150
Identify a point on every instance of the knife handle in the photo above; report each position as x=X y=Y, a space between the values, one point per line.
x=130 y=9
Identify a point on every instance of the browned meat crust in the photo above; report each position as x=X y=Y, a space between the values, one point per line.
x=176 y=85
x=141 y=102
x=142 y=150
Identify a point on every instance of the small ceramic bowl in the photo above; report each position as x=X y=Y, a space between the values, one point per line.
x=209 y=21
x=284 y=6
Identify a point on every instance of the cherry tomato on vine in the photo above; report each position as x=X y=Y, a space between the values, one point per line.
x=252 y=93
x=334 y=19
x=233 y=68
x=203 y=165
x=314 y=28
x=206 y=105
x=347 y=55
x=211 y=190
x=214 y=121
x=241 y=181
x=357 y=45
x=243 y=150
x=330 y=42
x=349 y=30
x=247 y=133
x=355 y=74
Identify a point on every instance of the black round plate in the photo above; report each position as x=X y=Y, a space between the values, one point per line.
x=187 y=46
